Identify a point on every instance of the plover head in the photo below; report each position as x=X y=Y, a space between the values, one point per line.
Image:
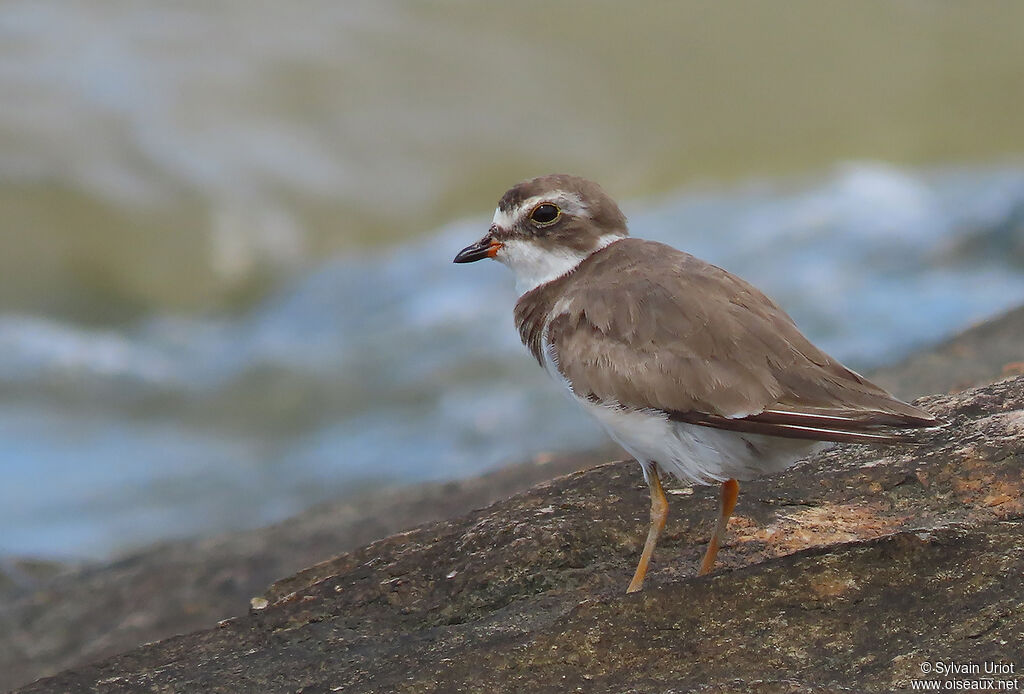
x=544 y=227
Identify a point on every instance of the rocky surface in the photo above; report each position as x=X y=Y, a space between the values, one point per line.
x=844 y=573
x=48 y=623
x=982 y=354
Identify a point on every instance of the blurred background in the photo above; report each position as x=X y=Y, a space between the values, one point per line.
x=226 y=228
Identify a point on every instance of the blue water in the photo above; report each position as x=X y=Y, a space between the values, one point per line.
x=397 y=365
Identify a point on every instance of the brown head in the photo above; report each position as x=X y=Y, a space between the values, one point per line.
x=544 y=227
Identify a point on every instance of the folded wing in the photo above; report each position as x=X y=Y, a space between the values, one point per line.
x=644 y=326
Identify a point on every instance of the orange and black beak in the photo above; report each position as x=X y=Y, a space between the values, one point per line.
x=484 y=248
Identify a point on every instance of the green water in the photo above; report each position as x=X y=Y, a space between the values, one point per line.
x=156 y=158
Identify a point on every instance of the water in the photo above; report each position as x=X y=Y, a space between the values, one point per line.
x=226 y=228
x=190 y=154
x=398 y=365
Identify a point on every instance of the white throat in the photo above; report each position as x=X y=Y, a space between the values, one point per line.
x=534 y=266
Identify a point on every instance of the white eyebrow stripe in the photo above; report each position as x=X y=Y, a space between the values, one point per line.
x=568 y=202
x=503 y=219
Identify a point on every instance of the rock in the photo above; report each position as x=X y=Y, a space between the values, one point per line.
x=850 y=570
x=983 y=354
x=50 y=623
x=19 y=576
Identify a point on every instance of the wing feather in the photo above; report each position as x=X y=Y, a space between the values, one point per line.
x=645 y=326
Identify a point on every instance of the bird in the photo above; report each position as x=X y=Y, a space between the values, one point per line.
x=691 y=369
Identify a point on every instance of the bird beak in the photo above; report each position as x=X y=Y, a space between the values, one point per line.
x=484 y=248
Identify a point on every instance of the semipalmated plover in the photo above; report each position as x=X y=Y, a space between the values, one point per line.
x=689 y=368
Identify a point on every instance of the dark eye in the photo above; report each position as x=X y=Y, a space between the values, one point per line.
x=545 y=213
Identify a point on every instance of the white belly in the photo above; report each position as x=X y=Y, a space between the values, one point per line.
x=693 y=453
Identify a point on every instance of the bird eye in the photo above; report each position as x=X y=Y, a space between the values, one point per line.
x=545 y=214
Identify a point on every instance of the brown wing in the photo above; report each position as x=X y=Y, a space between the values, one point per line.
x=647 y=326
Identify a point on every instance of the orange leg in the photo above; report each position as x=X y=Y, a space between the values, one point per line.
x=730 y=492
x=659 y=514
